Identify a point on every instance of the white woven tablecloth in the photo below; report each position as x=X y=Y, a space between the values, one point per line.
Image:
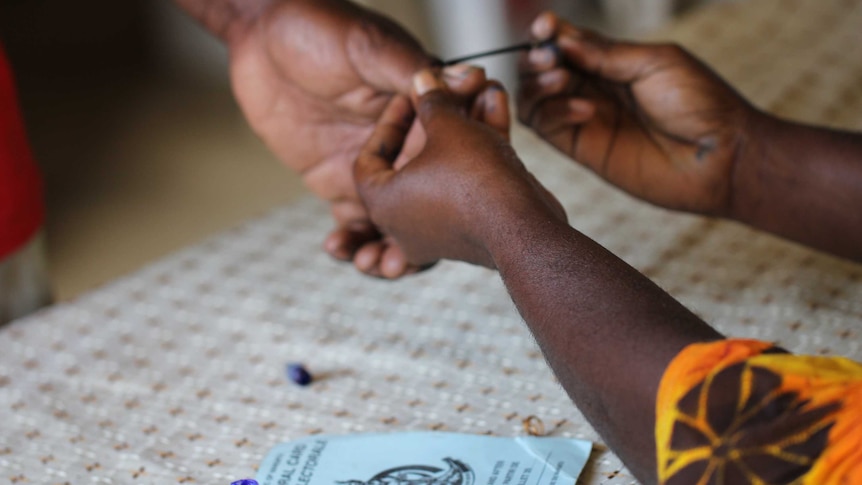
x=175 y=374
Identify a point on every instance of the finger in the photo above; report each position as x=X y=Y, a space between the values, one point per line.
x=464 y=80
x=550 y=83
x=385 y=259
x=393 y=261
x=382 y=148
x=413 y=145
x=367 y=258
x=383 y=53
x=435 y=105
x=616 y=61
x=538 y=59
x=539 y=88
x=331 y=179
x=544 y=26
x=348 y=210
x=560 y=113
x=343 y=242
x=492 y=108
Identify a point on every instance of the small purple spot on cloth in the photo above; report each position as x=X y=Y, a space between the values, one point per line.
x=298 y=374
x=245 y=481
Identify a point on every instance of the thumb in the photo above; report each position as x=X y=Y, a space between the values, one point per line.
x=384 y=54
x=432 y=99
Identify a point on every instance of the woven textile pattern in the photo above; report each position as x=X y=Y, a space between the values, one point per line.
x=175 y=374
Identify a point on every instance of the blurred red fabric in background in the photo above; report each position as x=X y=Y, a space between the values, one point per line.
x=22 y=209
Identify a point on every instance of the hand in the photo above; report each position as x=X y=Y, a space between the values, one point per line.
x=457 y=194
x=381 y=256
x=650 y=119
x=312 y=77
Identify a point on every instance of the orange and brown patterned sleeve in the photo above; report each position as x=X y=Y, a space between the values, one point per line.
x=743 y=411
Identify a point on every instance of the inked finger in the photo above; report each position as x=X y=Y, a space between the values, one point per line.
x=593 y=52
x=492 y=108
x=464 y=80
x=382 y=148
x=538 y=59
x=435 y=105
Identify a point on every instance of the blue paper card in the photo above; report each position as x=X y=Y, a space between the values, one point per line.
x=424 y=458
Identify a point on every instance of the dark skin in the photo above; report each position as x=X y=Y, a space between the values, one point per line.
x=306 y=72
x=650 y=119
x=480 y=99
x=655 y=122
x=466 y=196
x=659 y=124
x=312 y=76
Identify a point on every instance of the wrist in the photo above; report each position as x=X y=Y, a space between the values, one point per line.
x=755 y=164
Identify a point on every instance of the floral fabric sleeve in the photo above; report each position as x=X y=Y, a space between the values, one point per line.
x=743 y=411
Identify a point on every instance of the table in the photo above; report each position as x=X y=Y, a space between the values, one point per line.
x=174 y=374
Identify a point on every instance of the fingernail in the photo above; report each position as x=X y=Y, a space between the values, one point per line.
x=543 y=26
x=459 y=71
x=331 y=244
x=391 y=267
x=425 y=81
x=541 y=56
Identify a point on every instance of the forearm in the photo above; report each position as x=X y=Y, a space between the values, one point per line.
x=606 y=330
x=803 y=183
x=224 y=18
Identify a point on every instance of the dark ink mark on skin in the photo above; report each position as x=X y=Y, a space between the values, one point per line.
x=704 y=148
x=381 y=152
